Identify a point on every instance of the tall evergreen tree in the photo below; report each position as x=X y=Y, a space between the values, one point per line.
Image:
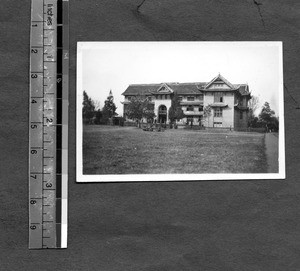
x=175 y=111
x=267 y=118
x=266 y=113
x=109 y=109
x=88 y=109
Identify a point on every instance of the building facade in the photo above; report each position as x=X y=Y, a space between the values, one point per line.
x=217 y=103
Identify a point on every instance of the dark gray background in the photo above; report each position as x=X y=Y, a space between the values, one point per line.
x=214 y=225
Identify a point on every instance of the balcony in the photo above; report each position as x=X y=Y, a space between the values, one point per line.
x=193 y=113
x=191 y=102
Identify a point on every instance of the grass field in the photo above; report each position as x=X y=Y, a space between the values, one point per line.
x=129 y=150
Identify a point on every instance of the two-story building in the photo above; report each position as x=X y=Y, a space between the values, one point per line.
x=217 y=103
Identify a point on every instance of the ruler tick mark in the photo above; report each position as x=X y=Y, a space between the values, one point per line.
x=45 y=17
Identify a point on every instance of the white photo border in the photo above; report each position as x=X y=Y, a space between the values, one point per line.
x=80 y=177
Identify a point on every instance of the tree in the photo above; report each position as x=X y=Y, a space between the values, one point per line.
x=175 y=111
x=267 y=118
x=98 y=117
x=253 y=106
x=109 y=108
x=266 y=113
x=139 y=108
x=88 y=109
x=207 y=113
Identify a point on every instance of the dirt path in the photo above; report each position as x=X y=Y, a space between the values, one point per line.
x=271 y=141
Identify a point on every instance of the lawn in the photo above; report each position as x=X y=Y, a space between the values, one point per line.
x=129 y=150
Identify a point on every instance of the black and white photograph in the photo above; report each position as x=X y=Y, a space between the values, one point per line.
x=163 y=111
x=150 y=135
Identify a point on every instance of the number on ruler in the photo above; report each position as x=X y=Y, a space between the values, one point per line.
x=32 y=227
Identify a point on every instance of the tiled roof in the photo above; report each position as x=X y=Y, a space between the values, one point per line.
x=179 y=88
x=141 y=89
x=187 y=88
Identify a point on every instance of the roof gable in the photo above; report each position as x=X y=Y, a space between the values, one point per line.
x=219 y=82
x=164 y=88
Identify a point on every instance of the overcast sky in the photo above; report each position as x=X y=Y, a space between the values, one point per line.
x=105 y=66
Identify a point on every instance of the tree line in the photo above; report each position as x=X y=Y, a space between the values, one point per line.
x=140 y=108
x=92 y=114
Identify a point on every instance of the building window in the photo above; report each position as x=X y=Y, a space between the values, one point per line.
x=180 y=98
x=218 y=112
x=129 y=98
x=149 y=98
x=217 y=124
x=190 y=108
x=200 y=108
x=166 y=97
x=241 y=115
x=191 y=98
x=218 y=97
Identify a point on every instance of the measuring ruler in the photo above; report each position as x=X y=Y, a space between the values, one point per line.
x=48 y=124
